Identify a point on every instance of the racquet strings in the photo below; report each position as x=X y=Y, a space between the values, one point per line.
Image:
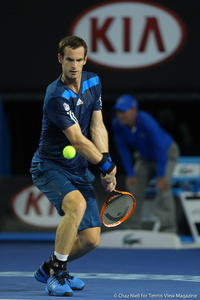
x=117 y=209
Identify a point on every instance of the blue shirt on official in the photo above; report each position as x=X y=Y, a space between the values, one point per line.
x=146 y=137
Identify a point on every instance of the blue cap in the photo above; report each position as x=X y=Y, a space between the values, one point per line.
x=125 y=102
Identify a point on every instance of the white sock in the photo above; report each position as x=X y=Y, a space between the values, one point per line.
x=61 y=257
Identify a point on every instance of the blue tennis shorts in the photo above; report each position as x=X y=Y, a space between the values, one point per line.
x=55 y=182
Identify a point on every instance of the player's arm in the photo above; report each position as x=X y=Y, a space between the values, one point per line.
x=89 y=151
x=98 y=132
x=56 y=112
x=99 y=136
x=83 y=145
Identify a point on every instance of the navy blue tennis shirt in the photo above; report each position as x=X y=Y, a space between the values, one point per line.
x=63 y=108
x=147 y=137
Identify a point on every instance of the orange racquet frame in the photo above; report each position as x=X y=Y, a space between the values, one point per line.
x=125 y=217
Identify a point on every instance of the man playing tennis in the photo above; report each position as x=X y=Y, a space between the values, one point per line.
x=71 y=111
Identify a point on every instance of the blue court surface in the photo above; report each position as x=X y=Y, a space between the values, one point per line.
x=108 y=273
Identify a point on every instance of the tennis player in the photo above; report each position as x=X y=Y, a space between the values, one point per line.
x=72 y=111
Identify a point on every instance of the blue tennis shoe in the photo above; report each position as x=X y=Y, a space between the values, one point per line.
x=42 y=275
x=58 y=285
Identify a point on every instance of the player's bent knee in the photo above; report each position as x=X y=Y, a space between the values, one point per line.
x=92 y=244
x=96 y=242
x=92 y=241
x=76 y=209
x=74 y=205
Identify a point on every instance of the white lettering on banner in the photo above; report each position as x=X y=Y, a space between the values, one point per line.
x=33 y=208
x=128 y=35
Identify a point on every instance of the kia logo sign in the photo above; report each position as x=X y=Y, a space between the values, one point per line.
x=33 y=208
x=130 y=34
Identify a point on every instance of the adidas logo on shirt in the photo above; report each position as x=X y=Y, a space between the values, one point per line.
x=79 y=102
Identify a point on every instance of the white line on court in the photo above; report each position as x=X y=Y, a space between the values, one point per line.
x=115 y=276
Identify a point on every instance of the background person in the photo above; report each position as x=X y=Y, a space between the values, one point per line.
x=156 y=154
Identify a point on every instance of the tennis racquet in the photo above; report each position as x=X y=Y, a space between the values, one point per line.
x=117 y=208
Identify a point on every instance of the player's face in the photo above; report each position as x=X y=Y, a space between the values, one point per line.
x=72 y=62
x=127 y=117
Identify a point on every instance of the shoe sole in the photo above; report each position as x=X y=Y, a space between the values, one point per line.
x=77 y=289
x=48 y=292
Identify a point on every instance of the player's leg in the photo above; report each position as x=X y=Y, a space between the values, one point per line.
x=69 y=203
x=86 y=241
x=88 y=237
x=74 y=206
x=81 y=189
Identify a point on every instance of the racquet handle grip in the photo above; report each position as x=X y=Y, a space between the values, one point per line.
x=106 y=176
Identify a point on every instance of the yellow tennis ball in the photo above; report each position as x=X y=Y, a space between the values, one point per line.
x=69 y=152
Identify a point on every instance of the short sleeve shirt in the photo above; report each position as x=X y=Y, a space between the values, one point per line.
x=63 y=108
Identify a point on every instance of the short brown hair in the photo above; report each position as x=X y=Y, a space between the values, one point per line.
x=73 y=42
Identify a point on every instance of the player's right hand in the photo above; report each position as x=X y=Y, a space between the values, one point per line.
x=109 y=180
